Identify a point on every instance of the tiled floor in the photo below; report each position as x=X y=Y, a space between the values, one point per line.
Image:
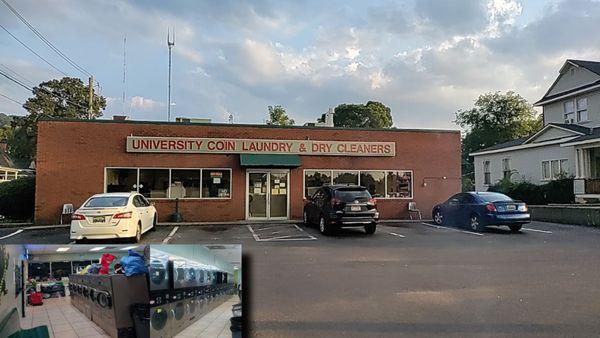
x=63 y=320
x=214 y=324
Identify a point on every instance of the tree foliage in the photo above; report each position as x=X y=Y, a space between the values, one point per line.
x=278 y=116
x=495 y=118
x=63 y=98
x=17 y=198
x=5 y=126
x=371 y=115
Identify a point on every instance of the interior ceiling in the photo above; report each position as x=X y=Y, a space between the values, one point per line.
x=230 y=253
x=35 y=249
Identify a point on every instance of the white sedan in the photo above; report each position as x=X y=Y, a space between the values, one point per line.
x=113 y=215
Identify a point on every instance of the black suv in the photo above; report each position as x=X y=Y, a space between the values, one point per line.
x=341 y=206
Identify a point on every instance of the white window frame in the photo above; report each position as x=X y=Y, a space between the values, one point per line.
x=573 y=112
x=506 y=167
x=386 y=171
x=137 y=188
x=486 y=170
x=560 y=168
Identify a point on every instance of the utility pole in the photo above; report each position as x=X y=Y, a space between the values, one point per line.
x=91 y=97
x=170 y=44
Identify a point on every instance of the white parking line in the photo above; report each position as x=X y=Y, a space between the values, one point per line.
x=171 y=234
x=12 y=234
x=537 y=230
x=442 y=227
x=282 y=238
x=395 y=234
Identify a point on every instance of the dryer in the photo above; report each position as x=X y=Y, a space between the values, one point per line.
x=192 y=308
x=161 y=315
x=178 y=305
x=178 y=271
x=158 y=270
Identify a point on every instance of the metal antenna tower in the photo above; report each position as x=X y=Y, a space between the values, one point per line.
x=170 y=44
x=124 y=72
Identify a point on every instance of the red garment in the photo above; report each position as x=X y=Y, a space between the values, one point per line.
x=105 y=262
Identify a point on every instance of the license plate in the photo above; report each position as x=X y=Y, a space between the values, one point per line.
x=511 y=207
x=98 y=219
x=355 y=208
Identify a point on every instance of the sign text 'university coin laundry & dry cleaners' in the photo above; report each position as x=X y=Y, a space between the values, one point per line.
x=143 y=144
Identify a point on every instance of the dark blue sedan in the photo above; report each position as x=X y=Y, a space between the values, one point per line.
x=476 y=210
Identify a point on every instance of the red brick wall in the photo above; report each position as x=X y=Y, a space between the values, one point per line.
x=72 y=155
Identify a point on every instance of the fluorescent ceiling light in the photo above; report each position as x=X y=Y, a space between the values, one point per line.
x=63 y=249
x=129 y=247
x=98 y=248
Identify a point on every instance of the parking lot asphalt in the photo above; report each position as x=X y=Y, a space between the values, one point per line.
x=409 y=279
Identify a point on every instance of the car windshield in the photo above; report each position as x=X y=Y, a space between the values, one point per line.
x=495 y=197
x=350 y=195
x=106 y=202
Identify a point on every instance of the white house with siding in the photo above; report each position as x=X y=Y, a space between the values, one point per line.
x=568 y=144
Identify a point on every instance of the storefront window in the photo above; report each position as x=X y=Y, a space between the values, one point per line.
x=80 y=265
x=345 y=177
x=374 y=181
x=121 y=180
x=39 y=271
x=185 y=183
x=154 y=183
x=61 y=269
x=399 y=184
x=314 y=179
x=216 y=183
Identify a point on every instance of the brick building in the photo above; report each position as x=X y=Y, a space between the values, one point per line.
x=225 y=172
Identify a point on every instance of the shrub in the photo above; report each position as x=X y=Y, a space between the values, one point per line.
x=558 y=191
x=17 y=198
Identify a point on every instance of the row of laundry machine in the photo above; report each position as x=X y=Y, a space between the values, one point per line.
x=182 y=291
x=107 y=300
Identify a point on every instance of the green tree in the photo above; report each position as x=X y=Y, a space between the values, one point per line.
x=64 y=98
x=5 y=126
x=278 y=116
x=495 y=118
x=371 y=115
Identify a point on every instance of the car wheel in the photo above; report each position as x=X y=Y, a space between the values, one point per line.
x=370 y=229
x=138 y=234
x=475 y=223
x=305 y=218
x=515 y=227
x=324 y=228
x=154 y=221
x=438 y=217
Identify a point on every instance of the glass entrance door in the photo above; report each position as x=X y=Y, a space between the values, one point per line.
x=267 y=194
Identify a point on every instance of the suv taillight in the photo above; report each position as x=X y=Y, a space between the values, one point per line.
x=372 y=201
x=77 y=217
x=123 y=215
x=490 y=207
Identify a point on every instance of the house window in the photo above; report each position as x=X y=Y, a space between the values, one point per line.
x=506 y=172
x=216 y=183
x=582 y=112
x=569 y=112
x=487 y=176
x=554 y=169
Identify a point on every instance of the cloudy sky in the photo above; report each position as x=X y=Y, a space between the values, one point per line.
x=424 y=59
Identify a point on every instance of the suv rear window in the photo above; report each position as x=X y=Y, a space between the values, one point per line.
x=106 y=202
x=351 y=195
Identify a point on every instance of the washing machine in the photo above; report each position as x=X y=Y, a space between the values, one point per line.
x=191 y=276
x=178 y=304
x=192 y=308
x=161 y=315
x=178 y=273
x=159 y=270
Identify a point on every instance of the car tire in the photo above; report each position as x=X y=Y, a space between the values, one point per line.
x=324 y=228
x=475 y=223
x=305 y=220
x=138 y=234
x=438 y=217
x=515 y=227
x=371 y=228
x=154 y=221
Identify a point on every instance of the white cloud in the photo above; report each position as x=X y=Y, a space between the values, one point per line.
x=142 y=103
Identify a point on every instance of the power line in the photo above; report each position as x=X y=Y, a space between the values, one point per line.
x=29 y=82
x=43 y=89
x=31 y=50
x=46 y=41
x=11 y=99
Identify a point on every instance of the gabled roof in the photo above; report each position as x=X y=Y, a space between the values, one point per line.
x=593 y=135
x=577 y=130
x=592 y=66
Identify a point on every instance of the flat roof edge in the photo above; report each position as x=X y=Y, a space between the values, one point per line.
x=452 y=131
